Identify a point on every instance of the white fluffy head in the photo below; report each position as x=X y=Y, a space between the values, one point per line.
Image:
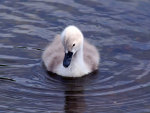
x=72 y=39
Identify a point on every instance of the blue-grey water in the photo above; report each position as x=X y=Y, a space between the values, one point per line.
x=120 y=29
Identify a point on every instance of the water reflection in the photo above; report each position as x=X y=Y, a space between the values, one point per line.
x=74 y=91
x=74 y=100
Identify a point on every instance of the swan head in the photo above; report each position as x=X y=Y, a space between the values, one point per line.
x=72 y=40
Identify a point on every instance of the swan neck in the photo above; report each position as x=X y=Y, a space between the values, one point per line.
x=80 y=54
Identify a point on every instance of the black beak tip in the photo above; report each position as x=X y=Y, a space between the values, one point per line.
x=66 y=62
x=65 y=65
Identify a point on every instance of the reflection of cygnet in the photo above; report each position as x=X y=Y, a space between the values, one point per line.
x=70 y=55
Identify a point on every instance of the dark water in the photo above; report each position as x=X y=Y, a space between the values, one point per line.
x=119 y=28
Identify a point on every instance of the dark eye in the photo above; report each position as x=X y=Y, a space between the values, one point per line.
x=73 y=45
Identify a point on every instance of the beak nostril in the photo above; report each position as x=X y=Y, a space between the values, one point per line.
x=70 y=54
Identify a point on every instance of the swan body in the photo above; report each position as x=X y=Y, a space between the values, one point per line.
x=70 y=55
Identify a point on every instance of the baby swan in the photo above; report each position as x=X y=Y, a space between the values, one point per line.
x=70 y=55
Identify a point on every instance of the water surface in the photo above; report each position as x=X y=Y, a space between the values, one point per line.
x=119 y=29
